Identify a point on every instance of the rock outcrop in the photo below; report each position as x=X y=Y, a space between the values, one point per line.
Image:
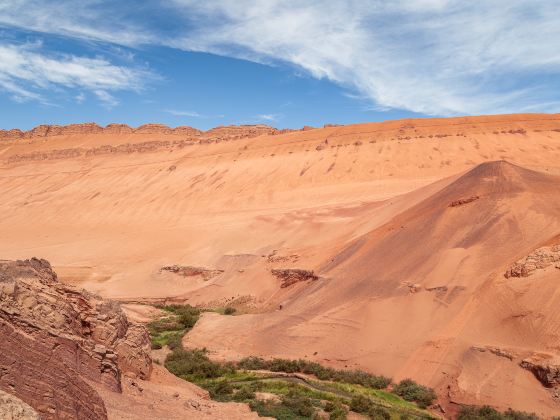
x=545 y=368
x=231 y=132
x=118 y=129
x=190 y=271
x=12 y=408
x=539 y=259
x=55 y=338
x=463 y=201
x=291 y=276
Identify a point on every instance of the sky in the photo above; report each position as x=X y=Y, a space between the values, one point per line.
x=286 y=63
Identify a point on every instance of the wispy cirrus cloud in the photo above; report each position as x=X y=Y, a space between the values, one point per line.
x=27 y=72
x=180 y=113
x=438 y=57
x=430 y=56
x=92 y=20
x=268 y=117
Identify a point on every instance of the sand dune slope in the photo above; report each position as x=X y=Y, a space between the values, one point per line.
x=414 y=296
x=409 y=225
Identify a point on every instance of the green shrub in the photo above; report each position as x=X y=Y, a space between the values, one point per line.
x=175 y=341
x=283 y=365
x=252 y=363
x=411 y=391
x=339 y=413
x=336 y=411
x=329 y=406
x=520 y=415
x=188 y=320
x=164 y=324
x=229 y=311
x=299 y=404
x=378 y=413
x=194 y=364
x=274 y=410
x=156 y=346
x=488 y=413
x=360 y=404
x=364 y=405
x=360 y=377
x=244 y=393
x=220 y=389
x=323 y=373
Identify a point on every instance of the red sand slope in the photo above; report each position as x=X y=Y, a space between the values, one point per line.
x=366 y=206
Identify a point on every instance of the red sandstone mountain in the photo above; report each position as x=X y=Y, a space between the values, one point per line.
x=419 y=234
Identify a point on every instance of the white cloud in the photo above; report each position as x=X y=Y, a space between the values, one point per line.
x=26 y=72
x=106 y=98
x=80 y=98
x=87 y=19
x=440 y=57
x=429 y=56
x=179 y=113
x=267 y=117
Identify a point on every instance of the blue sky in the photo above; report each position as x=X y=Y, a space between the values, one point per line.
x=286 y=63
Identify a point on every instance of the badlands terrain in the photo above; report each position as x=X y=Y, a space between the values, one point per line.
x=425 y=249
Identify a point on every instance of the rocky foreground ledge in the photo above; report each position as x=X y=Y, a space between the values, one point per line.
x=55 y=340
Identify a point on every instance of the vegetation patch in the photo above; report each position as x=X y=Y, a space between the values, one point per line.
x=170 y=329
x=297 y=395
x=295 y=389
x=411 y=391
x=489 y=413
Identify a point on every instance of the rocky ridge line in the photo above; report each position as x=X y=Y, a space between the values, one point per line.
x=221 y=132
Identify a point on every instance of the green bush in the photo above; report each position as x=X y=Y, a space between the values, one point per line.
x=488 y=413
x=156 y=346
x=336 y=411
x=252 y=363
x=175 y=341
x=194 y=364
x=274 y=410
x=323 y=373
x=360 y=404
x=188 y=320
x=339 y=413
x=170 y=329
x=378 y=413
x=220 y=389
x=229 y=310
x=164 y=324
x=360 y=377
x=329 y=406
x=364 y=405
x=411 y=391
x=520 y=415
x=283 y=365
x=244 y=393
x=299 y=404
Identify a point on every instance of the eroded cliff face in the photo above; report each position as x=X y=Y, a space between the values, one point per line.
x=217 y=133
x=54 y=338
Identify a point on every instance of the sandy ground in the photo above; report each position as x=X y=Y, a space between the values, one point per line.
x=165 y=396
x=407 y=283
